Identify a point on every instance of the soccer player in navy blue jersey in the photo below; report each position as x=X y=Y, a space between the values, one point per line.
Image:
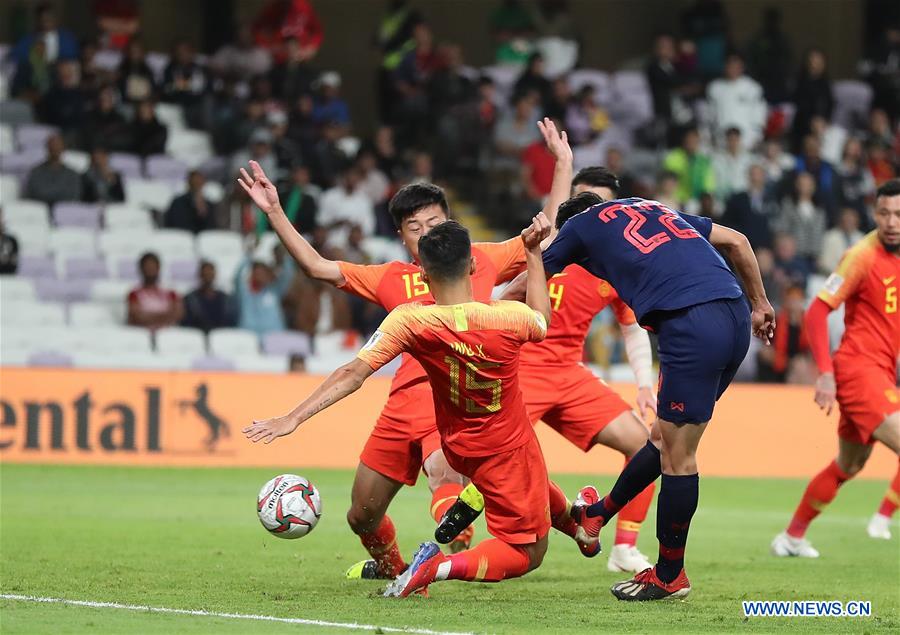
x=667 y=267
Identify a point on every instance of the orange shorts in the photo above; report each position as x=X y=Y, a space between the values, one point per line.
x=515 y=487
x=866 y=396
x=571 y=400
x=404 y=435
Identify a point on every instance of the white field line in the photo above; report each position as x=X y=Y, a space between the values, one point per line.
x=231 y=616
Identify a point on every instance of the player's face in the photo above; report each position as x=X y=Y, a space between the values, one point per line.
x=603 y=192
x=887 y=219
x=419 y=224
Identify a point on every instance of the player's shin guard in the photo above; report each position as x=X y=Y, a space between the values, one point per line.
x=674 y=509
x=891 y=498
x=632 y=515
x=489 y=561
x=442 y=499
x=821 y=490
x=559 y=511
x=382 y=546
x=641 y=471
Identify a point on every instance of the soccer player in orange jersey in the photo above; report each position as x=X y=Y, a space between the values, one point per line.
x=470 y=352
x=405 y=438
x=862 y=376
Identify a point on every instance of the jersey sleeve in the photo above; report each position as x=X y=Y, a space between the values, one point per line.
x=565 y=249
x=508 y=257
x=624 y=314
x=363 y=280
x=388 y=341
x=528 y=324
x=841 y=284
x=702 y=224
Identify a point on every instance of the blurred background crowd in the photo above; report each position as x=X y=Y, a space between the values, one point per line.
x=119 y=159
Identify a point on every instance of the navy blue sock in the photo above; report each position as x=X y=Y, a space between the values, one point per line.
x=642 y=469
x=675 y=507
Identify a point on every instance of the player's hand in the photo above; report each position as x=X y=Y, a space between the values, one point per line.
x=536 y=232
x=557 y=142
x=762 y=319
x=826 y=390
x=268 y=430
x=260 y=188
x=646 y=401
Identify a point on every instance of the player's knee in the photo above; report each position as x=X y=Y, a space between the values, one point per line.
x=852 y=466
x=440 y=473
x=363 y=520
x=536 y=553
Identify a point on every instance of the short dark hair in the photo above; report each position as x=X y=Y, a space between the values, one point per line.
x=146 y=256
x=446 y=251
x=890 y=188
x=576 y=205
x=597 y=176
x=409 y=199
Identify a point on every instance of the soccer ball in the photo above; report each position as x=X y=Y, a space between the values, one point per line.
x=289 y=506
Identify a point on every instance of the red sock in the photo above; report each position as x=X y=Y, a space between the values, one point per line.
x=559 y=511
x=443 y=498
x=382 y=546
x=892 y=497
x=632 y=515
x=821 y=490
x=490 y=561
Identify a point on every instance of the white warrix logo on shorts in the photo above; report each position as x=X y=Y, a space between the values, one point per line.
x=833 y=284
x=377 y=335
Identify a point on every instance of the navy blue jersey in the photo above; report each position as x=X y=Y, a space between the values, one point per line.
x=655 y=258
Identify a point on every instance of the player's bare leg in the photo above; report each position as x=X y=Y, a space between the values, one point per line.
x=446 y=484
x=879 y=526
x=370 y=497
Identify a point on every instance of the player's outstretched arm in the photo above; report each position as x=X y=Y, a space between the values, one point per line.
x=738 y=250
x=558 y=143
x=344 y=381
x=265 y=196
x=536 y=295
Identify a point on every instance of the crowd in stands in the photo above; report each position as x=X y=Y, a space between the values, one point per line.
x=753 y=134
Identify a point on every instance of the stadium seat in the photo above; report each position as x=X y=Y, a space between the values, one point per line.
x=23 y=313
x=108 y=59
x=193 y=147
x=171 y=116
x=73 y=241
x=149 y=194
x=126 y=164
x=122 y=216
x=852 y=100
x=322 y=364
x=9 y=188
x=286 y=343
x=123 y=267
x=21 y=162
x=122 y=243
x=233 y=342
x=49 y=359
x=632 y=103
x=131 y=360
x=181 y=270
x=76 y=160
x=212 y=363
x=163 y=167
x=598 y=80
x=33 y=135
x=15 y=112
x=114 y=294
x=33 y=240
x=177 y=339
x=171 y=243
x=114 y=340
x=504 y=77
x=26 y=213
x=13 y=356
x=54 y=290
x=261 y=363
x=14 y=289
x=85 y=215
x=214 y=192
x=36 y=266
x=91 y=314
x=84 y=268
x=7 y=139
x=219 y=243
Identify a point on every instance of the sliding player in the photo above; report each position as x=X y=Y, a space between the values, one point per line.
x=470 y=351
x=862 y=376
x=666 y=268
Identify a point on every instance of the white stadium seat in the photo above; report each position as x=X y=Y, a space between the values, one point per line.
x=261 y=363
x=113 y=339
x=22 y=313
x=122 y=216
x=9 y=189
x=73 y=241
x=131 y=361
x=33 y=240
x=76 y=160
x=25 y=213
x=122 y=243
x=13 y=289
x=150 y=194
x=91 y=314
x=13 y=356
x=192 y=147
x=113 y=294
x=7 y=139
x=171 y=243
x=233 y=343
x=178 y=339
x=220 y=244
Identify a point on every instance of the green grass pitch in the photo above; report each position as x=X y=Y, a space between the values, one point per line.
x=189 y=539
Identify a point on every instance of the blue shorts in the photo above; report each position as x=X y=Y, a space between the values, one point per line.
x=700 y=350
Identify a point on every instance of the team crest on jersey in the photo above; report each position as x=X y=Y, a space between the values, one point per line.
x=377 y=335
x=833 y=284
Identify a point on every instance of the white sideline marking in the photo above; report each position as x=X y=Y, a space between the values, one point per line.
x=231 y=616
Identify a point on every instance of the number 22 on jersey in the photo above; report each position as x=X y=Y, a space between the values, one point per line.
x=637 y=220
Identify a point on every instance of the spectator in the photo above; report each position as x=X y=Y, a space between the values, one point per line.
x=150 y=305
x=328 y=157
x=538 y=165
x=374 y=183
x=831 y=138
x=855 y=184
x=238 y=131
x=329 y=105
x=282 y=20
x=533 y=79
x=450 y=87
x=393 y=38
x=769 y=57
x=422 y=168
x=287 y=152
x=185 y=83
x=839 y=239
x=790 y=339
x=65 y=104
x=33 y=76
x=515 y=132
x=802 y=218
x=261 y=90
x=52 y=181
x=106 y=124
x=752 y=211
x=242 y=58
x=736 y=101
x=260 y=150
x=9 y=251
x=192 y=210
x=584 y=118
x=615 y=163
x=92 y=76
x=386 y=151
x=667 y=190
x=823 y=172
x=207 y=307
x=731 y=166
x=117 y=21
x=292 y=77
x=411 y=80
x=663 y=79
x=776 y=161
x=297 y=364
x=812 y=94
x=148 y=135
x=512 y=27
x=767 y=272
x=560 y=99
x=346 y=205
x=101 y=184
x=879 y=128
x=56 y=43
x=299 y=200
x=790 y=267
x=694 y=169
x=706 y=23
x=136 y=80
x=882 y=69
x=260 y=292
x=880 y=166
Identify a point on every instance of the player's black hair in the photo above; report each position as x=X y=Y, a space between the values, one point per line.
x=890 y=188
x=409 y=199
x=597 y=176
x=146 y=256
x=575 y=205
x=446 y=251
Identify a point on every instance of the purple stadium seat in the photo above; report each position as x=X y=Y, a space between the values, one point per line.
x=210 y=362
x=182 y=270
x=50 y=359
x=126 y=268
x=160 y=166
x=78 y=290
x=77 y=215
x=126 y=164
x=85 y=268
x=33 y=135
x=286 y=343
x=51 y=289
x=33 y=266
x=20 y=164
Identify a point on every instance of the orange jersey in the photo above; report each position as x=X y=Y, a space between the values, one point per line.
x=395 y=283
x=576 y=296
x=470 y=353
x=867 y=279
